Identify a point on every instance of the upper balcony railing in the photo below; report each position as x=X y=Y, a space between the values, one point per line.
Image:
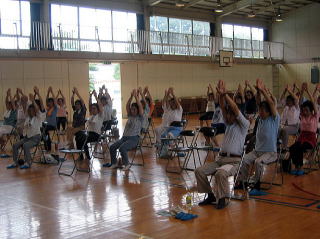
x=43 y=36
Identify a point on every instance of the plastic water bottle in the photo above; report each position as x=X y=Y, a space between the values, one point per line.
x=189 y=201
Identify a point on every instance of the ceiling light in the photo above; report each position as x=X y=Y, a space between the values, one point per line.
x=219 y=7
x=179 y=4
x=278 y=16
x=251 y=14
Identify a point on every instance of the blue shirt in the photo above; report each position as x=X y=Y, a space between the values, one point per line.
x=52 y=119
x=267 y=133
x=10 y=118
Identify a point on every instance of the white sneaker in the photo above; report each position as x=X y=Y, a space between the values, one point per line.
x=114 y=166
x=127 y=167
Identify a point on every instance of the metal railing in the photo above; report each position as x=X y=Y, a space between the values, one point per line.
x=59 y=37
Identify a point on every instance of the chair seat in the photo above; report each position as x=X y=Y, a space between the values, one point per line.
x=180 y=149
x=72 y=151
x=207 y=148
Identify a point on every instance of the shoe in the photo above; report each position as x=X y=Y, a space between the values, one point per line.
x=300 y=172
x=107 y=165
x=126 y=167
x=114 y=166
x=221 y=203
x=24 y=167
x=293 y=172
x=11 y=166
x=208 y=201
x=255 y=192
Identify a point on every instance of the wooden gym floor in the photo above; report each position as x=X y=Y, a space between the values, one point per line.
x=38 y=203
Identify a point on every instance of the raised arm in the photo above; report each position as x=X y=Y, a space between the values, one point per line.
x=62 y=96
x=36 y=93
x=140 y=92
x=98 y=102
x=284 y=93
x=79 y=96
x=50 y=91
x=261 y=88
x=248 y=85
x=72 y=98
x=147 y=93
x=165 y=99
x=136 y=96
x=304 y=88
x=225 y=98
x=128 y=105
x=296 y=99
x=174 y=97
x=32 y=99
x=241 y=93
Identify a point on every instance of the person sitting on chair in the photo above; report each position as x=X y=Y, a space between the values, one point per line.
x=308 y=132
x=31 y=136
x=265 y=150
x=50 y=123
x=62 y=112
x=146 y=111
x=171 y=118
x=149 y=100
x=95 y=123
x=79 y=118
x=131 y=133
x=10 y=119
x=250 y=102
x=21 y=110
x=217 y=126
x=230 y=155
x=290 y=116
x=106 y=102
x=207 y=117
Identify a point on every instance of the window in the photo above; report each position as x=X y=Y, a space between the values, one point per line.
x=245 y=41
x=176 y=25
x=64 y=20
x=94 y=23
x=15 y=17
x=201 y=28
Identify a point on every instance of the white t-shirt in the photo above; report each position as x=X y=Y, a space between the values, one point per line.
x=170 y=115
x=95 y=123
x=21 y=116
x=290 y=115
x=210 y=106
x=107 y=111
x=32 y=126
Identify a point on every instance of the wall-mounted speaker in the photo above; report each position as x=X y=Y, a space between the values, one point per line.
x=315 y=75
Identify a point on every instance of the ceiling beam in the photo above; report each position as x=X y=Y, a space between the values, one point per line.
x=271 y=7
x=237 y=6
x=192 y=3
x=154 y=2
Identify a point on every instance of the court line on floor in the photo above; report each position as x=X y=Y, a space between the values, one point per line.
x=78 y=217
x=285 y=205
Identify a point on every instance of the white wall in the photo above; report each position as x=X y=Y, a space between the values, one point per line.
x=26 y=74
x=300 y=32
x=295 y=73
x=188 y=79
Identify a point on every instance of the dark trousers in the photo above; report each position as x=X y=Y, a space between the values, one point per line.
x=81 y=139
x=61 y=121
x=296 y=152
x=47 y=139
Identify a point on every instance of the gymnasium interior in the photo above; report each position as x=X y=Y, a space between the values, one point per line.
x=167 y=52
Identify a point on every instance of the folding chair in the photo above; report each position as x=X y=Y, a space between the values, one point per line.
x=137 y=148
x=12 y=137
x=206 y=148
x=146 y=134
x=235 y=177
x=73 y=153
x=186 y=149
x=277 y=166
